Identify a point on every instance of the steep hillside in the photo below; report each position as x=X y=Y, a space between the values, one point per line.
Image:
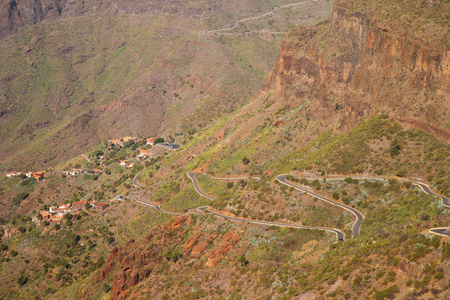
x=143 y=68
x=16 y=15
x=355 y=112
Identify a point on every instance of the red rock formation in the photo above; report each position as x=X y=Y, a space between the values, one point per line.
x=199 y=248
x=179 y=221
x=225 y=245
x=191 y=241
x=357 y=65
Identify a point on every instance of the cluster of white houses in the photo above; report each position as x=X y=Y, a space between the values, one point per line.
x=120 y=142
x=55 y=213
x=76 y=172
x=37 y=175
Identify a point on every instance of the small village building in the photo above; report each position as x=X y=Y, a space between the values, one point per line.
x=9 y=232
x=62 y=209
x=79 y=205
x=46 y=216
x=75 y=172
x=102 y=206
x=122 y=162
x=13 y=174
x=64 y=206
x=52 y=209
x=151 y=141
x=144 y=152
x=38 y=175
x=56 y=219
x=130 y=165
x=116 y=142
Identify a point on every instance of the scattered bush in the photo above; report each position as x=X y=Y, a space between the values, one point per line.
x=22 y=280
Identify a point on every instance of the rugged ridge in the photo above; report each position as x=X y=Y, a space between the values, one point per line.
x=15 y=15
x=359 y=64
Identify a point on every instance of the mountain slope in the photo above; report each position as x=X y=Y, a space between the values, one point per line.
x=68 y=83
x=315 y=118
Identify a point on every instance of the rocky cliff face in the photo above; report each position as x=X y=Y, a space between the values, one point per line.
x=360 y=64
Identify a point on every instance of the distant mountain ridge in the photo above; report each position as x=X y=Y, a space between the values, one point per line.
x=15 y=15
x=74 y=73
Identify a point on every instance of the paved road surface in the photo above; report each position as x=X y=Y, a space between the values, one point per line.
x=191 y=175
x=340 y=236
x=442 y=231
x=236 y=23
x=155 y=206
x=136 y=182
x=359 y=216
x=427 y=190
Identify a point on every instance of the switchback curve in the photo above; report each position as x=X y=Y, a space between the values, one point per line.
x=340 y=236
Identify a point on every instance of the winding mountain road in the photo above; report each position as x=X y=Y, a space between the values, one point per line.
x=274 y=9
x=197 y=188
x=442 y=231
x=356 y=228
x=155 y=206
x=136 y=182
x=426 y=189
x=340 y=236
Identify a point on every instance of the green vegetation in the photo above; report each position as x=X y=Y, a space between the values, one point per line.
x=193 y=255
x=354 y=152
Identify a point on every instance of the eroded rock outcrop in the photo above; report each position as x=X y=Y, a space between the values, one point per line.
x=359 y=64
x=225 y=245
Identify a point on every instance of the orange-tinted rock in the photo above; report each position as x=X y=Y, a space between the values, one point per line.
x=225 y=245
x=199 y=248
x=191 y=241
x=269 y=172
x=278 y=122
x=179 y=221
x=361 y=65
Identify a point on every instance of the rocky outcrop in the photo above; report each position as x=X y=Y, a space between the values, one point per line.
x=358 y=64
x=225 y=245
x=15 y=15
x=137 y=261
x=128 y=266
